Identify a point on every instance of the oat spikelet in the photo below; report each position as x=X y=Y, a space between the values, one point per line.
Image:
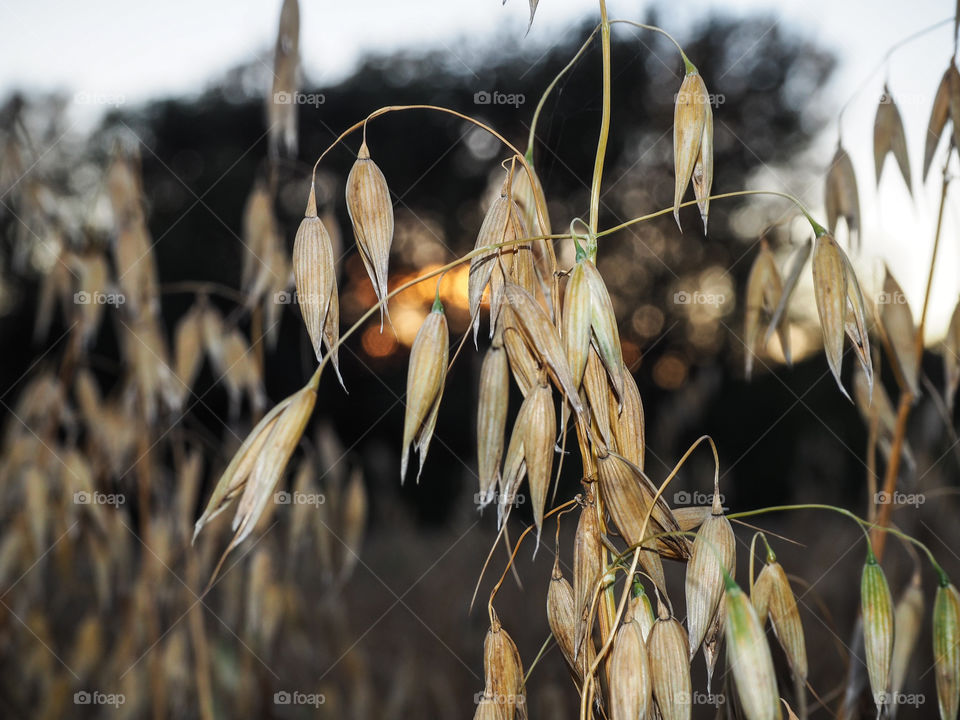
x=630 y=679
x=491 y=419
x=371 y=212
x=907 y=623
x=587 y=567
x=946 y=649
x=712 y=556
x=281 y=109
x=764 y=289
x=503 y=670
x=314 y=273
x=749 y=657
x=669 y=668
x=946 y=104
x=896 y=324
x=425 y=378
x=703 y=171
x=840 y=306
x=575 y=326
x=842 y=200
x=889 y=137
x=876 y=607
x=564 y=621
x=627 y=425
x=773 y=595
x=689 y=125
x=541 y=336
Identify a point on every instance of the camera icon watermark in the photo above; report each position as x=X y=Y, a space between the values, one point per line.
x=695 y=498
x=284 y=697
x=83 y=297
x=713 y=99
x=498 y=698
x=83 y=497
x=493 y=496
x=495 y=97
x=299 y=98
x=683 y=297
x=95 y=98
x=898 y=698
x=84 y=697
x=282 y=497
x=899 y=498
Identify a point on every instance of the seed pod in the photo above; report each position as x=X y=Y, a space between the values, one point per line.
x=876 y=607
x=564 y=622
x=576 y=321
x=587 y=567
x=669 y=668
x=282 y=112
x=689 y=125
x=951 y=358
x=503 y=670
x=946 y=649
x=628 y=494
x=530 y=453
x=764 y=289
x=772 y=592
x=331 y=330
x=491 y=419
x=288 y=412
x=703 y=170
x=523 y=365
x=713 y=640
x=188 y=355
x=603 y=326
x=889 y=137
x=630 y=681
x=528 y=198
x=627 y=425
x=907 y=621
x=425 y=379
x=842 y=198
x=541 y=336
x=713 y=555
x=749 y=657
x=598 y=394
x=946 y=103
x=640 y=610
x=371 y=212
x=501 y=224
x=777 y=320
x=896 y=325
x=840 y=306
x=353 y=523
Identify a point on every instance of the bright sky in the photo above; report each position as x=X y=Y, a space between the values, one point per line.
x=138 y=50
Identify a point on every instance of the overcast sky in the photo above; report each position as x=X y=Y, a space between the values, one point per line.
x=140 y=50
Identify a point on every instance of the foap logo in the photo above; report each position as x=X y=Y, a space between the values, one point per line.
x=899 y=498
x=493 y=497
x=284 y=697
x=98 y=298
x=284 y=297
x=714 y=99
x=298 y=498
x=898 y=698
x=696 y=297
x=299 y=98
x=84 y=697
x=701 y=698
x=695 y=498
x=495 y=97
x=894 y=298
x=92 y=98
x=82 y=497
x=498 y=698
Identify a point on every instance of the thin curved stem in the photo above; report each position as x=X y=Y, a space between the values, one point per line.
x=549 y=89
x=690 y=67
x=604 y=123
x=541 y=210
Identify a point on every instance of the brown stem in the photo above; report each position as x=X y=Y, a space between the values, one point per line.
x=906 y=397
